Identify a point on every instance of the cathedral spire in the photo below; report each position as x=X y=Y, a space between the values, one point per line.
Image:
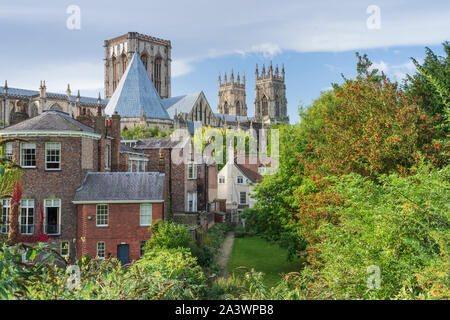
x=232 y=77
x=270 y=72
x=78 y=96
x=257 y=72
x=68 y=92
x=282 y=72
x=243 y=79
x=238 y=79
x=264 y=71
x=220 y=80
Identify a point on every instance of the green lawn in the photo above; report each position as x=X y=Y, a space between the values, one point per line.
x=263 y=256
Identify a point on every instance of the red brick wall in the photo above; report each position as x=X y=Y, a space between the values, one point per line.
x=41 y=184
x=123 y=226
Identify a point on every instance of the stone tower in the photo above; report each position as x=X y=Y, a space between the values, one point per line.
x=232 y=96
x=270 y=96
x=155 y=54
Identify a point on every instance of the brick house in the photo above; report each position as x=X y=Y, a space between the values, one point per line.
x=115 y=211
x=57 y=154
x=191 y=186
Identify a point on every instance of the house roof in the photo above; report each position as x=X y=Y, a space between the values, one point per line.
x=159 y=143
x=135 y=94
x=25 y=93
x=49 y=120
x=250 y=173
x=180 y=104
x=121 y=187
x=126 y=149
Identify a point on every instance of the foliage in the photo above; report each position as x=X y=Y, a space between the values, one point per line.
x=141 y=132
x=400 y=225
x=431 y=84
x=168 y=235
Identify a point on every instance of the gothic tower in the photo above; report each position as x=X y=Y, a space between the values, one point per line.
x=155 y=54
x=270 y=96
x=232 y=96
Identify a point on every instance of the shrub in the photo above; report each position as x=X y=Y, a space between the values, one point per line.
x=169 y=235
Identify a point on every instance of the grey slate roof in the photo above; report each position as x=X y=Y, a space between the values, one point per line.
x=126 y=149
x=24 y=93
x=121 y=186
x=176 y=105
x=231 y=118
x=159 y=143
x=136 y=94
x=49 y=120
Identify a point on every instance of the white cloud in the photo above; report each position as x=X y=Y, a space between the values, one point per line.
x=181 y=67
x=268 y=50
x=396 y=72
x=82 y=75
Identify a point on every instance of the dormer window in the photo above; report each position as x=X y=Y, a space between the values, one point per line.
x=239 y=179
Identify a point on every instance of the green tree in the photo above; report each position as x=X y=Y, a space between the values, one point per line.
x=140 y=132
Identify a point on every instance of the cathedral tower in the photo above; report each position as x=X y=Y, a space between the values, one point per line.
x=232 y=96
x=270 y=96
x=155 y=54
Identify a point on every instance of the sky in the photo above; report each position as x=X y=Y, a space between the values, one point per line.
x=316 y=41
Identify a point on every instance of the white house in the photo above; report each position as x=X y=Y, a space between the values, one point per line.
x=236 y=183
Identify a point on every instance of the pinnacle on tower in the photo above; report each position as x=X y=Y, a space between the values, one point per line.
x=232 y=77
x=243 y=79
x=257 y=72
x=238 y=79
x=264 y=71
x=220 y=80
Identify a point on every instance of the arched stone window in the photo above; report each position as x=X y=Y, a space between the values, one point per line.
x=200 y=111
x=124 y=62
x=56 y=107
x=144 y=59
x=277 y=107
x=225 y=108
x=265 y=106
x=238 y=108
x=157 y=74
x=115 y=64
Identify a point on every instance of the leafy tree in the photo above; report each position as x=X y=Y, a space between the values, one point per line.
x=140 y=132
x=431 y=84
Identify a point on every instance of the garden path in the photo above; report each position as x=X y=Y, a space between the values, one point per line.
x=224 y=253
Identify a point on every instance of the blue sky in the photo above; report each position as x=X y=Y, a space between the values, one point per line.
x=316 y=40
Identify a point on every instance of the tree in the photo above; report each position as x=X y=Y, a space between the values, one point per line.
x=140 y=132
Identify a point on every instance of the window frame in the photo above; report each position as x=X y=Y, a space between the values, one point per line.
x=62 y=248
x=191 y=196
x=27 y=210
x=9 y=151
x=192 y=165
x=6 y=207
x=240 y=177
x=141 y=248
x=22 y=160
x=103 y=249
x=240 y=197
x=46 y=216
x=59 y=156
x=97 y=217
x=141 y=215
x=222 y=177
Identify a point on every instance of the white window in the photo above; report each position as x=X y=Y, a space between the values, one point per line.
x=142 y=166
x=240 y=179
x=101 y=250
x=243 y=197
x=191 y=202
x=65 y=246
x=9 y=151
x=146 y=215
x=130 y=166
x=107 y=156
x=26 y=216
x=6 y=205
x=221 y=179
x=52 y=218
x=102 y=215
x=192 y=172
x=28 y=155
x=52 y=156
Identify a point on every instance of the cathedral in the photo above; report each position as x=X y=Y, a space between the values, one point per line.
x=137 y=85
